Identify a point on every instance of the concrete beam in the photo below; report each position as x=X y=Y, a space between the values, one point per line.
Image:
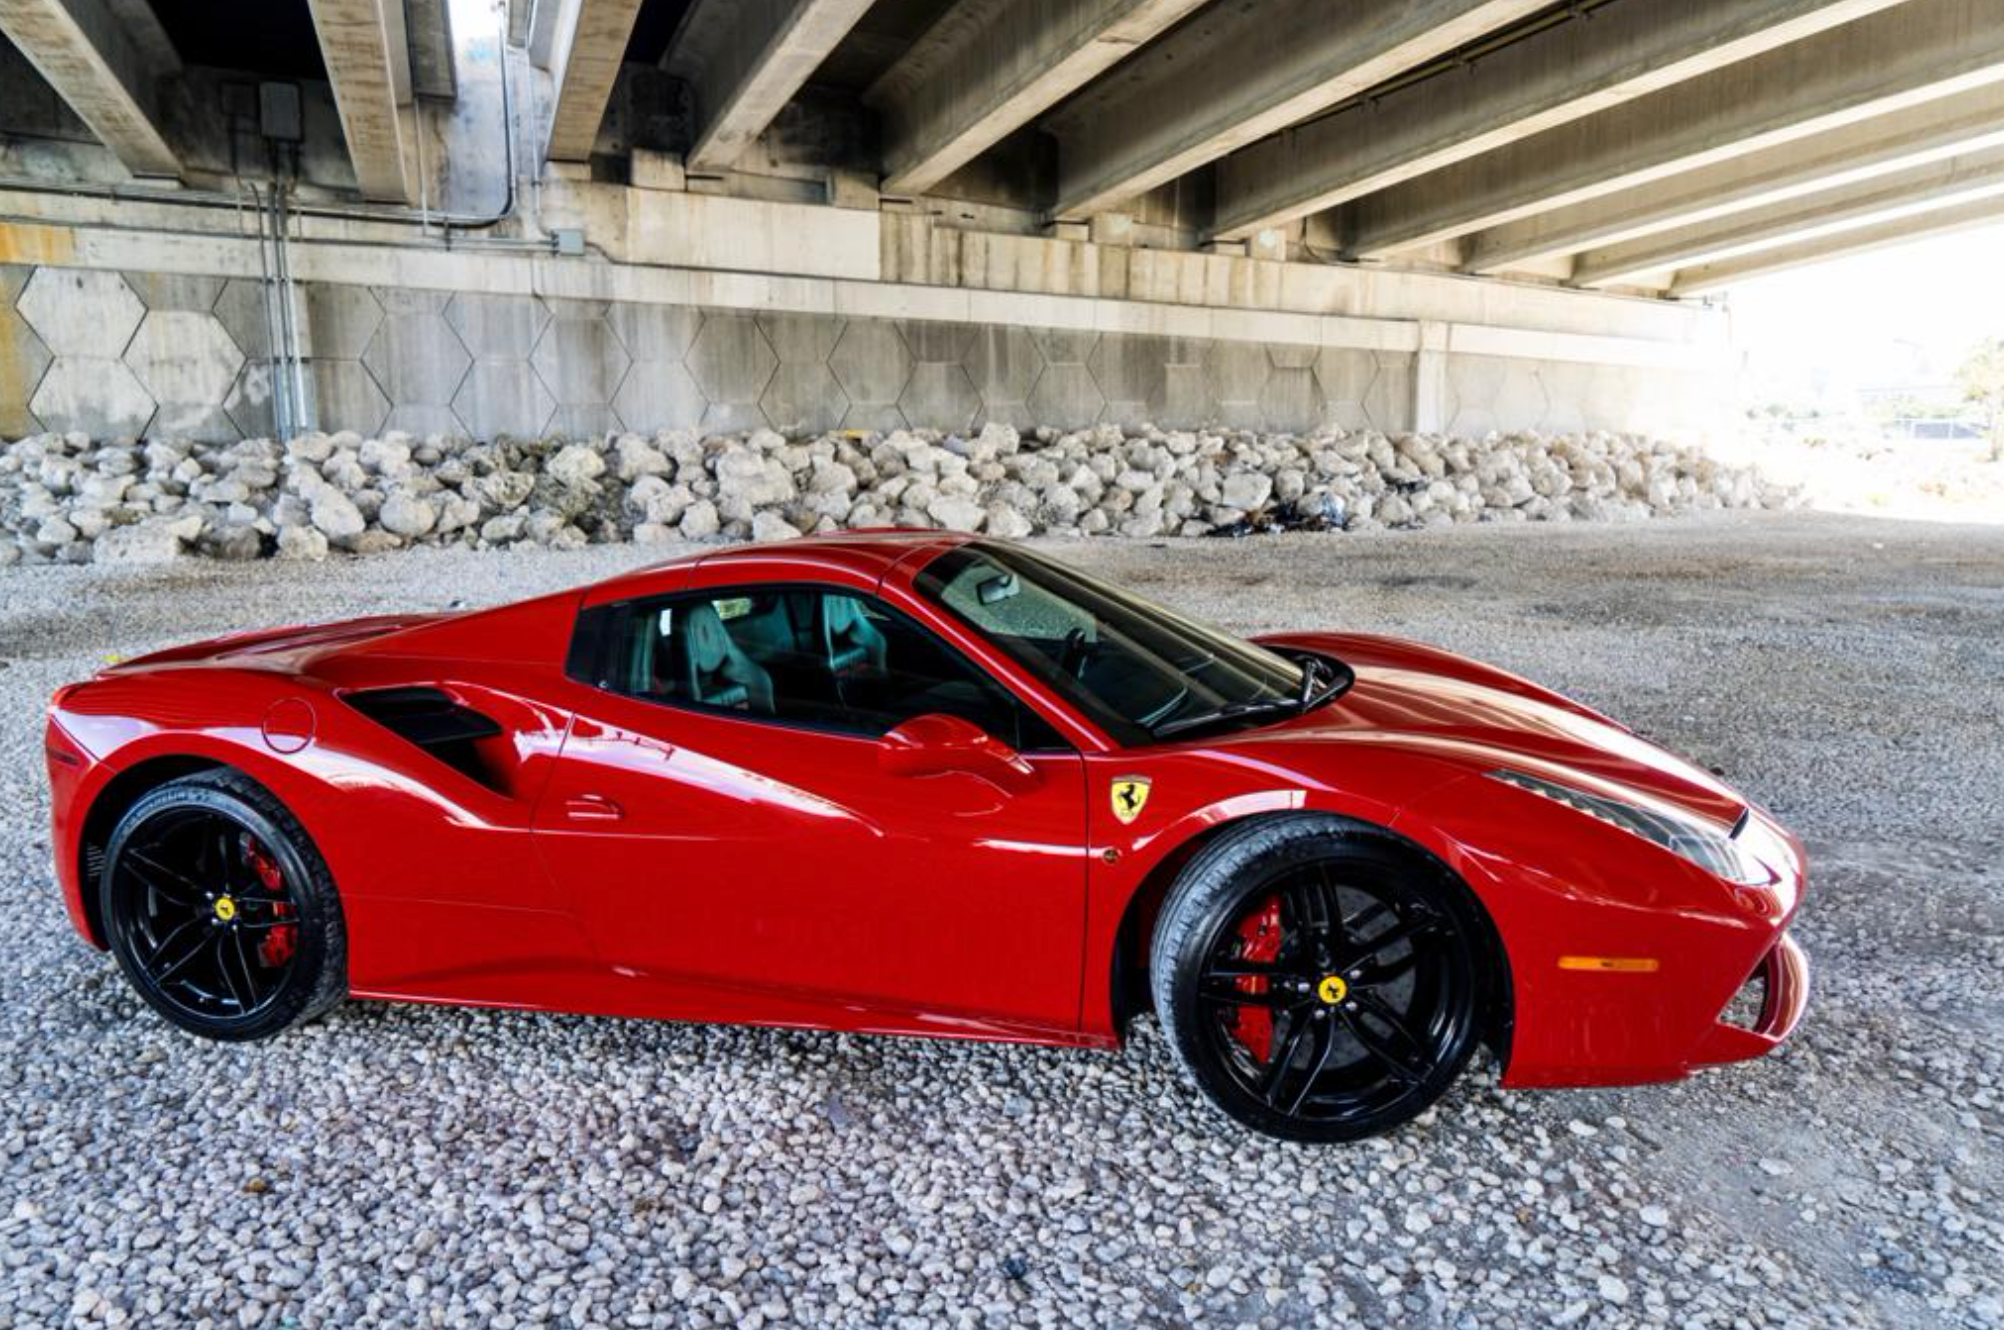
x=1594 y=61
x=1912 y=53
x=745 y=59
x=1238 y=72
x=367 y=63
x=105 y=69
x=147 y=32
x=1885 y=235
x=590 y=40
x=1964 y=179
x=1931 y=132
x=1904 y=193
x=989 y=67
x=544 y=18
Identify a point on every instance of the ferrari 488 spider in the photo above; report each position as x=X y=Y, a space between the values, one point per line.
x=919 y=783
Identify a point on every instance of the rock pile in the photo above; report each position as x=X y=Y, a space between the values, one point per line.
x=65 y=498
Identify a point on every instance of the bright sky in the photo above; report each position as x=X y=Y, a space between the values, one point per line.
x=1887 y=317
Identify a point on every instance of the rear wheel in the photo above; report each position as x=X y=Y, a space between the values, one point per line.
x=1319 y=981
x=220 y=911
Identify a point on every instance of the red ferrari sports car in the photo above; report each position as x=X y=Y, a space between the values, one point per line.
x=919 y=783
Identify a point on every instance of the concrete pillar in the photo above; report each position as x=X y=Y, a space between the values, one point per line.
x=1717 y=276
x=590 y=43
x=1911 y=53
x=745 y=59
x=1237 y=72
x=106 y=69
x=1930 y=132
x=989 y=67
x=1430 y=405
x=1923 y=189
x=368 y=62
x=1581 y=66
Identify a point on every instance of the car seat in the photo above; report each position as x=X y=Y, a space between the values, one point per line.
x=856 y=647
x=714 y=671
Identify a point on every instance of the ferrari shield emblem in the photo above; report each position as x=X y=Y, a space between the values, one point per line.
x=1130 y=796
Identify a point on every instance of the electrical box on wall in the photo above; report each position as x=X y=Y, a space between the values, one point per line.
x=279 y=115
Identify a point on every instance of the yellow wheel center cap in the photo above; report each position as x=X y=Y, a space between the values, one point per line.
x=226 y=908
x=1333 y=989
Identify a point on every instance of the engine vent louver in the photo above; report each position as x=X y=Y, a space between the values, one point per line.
x=430 y=719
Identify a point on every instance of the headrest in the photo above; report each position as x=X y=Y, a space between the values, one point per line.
x=707 y=644
x=843 y=615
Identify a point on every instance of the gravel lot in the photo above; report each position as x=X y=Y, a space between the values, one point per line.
x=438 y=1167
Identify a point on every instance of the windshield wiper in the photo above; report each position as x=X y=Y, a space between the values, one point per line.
x=1290 y=705
x=1302 y=702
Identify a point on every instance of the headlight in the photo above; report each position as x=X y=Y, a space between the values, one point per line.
x=1706 y=846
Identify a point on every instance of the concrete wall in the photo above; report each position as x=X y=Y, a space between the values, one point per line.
x=118 y=330
x=123 y=354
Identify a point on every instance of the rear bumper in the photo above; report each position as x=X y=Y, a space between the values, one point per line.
x=1783 y=975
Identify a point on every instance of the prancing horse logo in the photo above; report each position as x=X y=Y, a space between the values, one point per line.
x=1130 y=796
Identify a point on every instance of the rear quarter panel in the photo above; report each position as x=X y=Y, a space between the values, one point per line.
x=440 y=883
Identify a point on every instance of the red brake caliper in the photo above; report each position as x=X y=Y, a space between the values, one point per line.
x=1259 y=937
x=276 y=949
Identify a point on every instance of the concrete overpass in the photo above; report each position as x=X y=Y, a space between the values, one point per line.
x=1480 y=173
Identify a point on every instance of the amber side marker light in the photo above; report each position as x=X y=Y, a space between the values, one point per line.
x=1612 y=964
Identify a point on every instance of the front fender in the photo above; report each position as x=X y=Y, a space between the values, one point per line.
x=1193 y=793
x=1565 y=890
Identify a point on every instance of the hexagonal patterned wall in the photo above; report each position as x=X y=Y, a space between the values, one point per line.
x=124 y=354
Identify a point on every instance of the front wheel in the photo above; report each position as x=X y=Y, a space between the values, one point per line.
x=1319 y=981
x=220 y=910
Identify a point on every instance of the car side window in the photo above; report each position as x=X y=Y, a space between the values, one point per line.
x=831 y=660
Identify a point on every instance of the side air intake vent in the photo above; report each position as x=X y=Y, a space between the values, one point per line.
x=434 y=722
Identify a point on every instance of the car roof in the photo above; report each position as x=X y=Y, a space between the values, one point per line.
x=868 y=554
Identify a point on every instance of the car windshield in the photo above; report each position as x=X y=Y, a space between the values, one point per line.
x=1141 y=672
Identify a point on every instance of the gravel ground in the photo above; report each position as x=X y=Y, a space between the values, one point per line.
x=406 y=1165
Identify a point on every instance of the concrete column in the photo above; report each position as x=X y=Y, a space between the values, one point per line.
x=745 y=59
x=1930 y=132
x=1911 y=53
x=989 y=67
x=1717 y=276
x=367 y=62
x=1910 y=193
x=1550 y=78
x=1238 y=72
x=590 y=44
x=1430 y=406
x=106 y=69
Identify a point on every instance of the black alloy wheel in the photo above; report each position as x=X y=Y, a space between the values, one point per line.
x=1320 y=982
x=220 y=911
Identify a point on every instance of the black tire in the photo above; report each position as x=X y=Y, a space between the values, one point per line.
x=1375 y=1013
x=204 y=878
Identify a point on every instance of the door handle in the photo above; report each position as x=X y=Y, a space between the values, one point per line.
x=592 y=808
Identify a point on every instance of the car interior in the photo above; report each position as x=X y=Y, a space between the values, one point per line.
x=821 y=658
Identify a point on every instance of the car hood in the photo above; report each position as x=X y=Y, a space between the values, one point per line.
x=1478 y=718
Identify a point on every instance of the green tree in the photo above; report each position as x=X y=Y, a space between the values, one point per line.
x=1982 y=379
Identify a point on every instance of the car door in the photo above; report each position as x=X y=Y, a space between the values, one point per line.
x=721 y=816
